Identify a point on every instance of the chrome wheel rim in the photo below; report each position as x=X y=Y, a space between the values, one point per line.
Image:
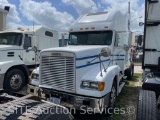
x=16 y=81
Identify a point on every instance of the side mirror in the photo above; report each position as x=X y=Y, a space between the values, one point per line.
x=117 y=40
x=34 y=40
x=141 y=24
x=105 y=52
x=121 y=39
x=34 y=49
x=126 y=47
x=29 y=49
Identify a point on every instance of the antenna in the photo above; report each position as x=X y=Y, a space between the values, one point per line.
x=33 y=28
x=129 y=7
x=129 y=12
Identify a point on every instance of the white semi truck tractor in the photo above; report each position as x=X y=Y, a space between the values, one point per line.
x=19 y=54
x=88 y=72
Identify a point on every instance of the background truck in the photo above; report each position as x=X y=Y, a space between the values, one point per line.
x=88 y=72
x=149 y=98
x=19 y=50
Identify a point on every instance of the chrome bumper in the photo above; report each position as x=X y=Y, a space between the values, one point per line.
x=78 y=102
x=1 y=80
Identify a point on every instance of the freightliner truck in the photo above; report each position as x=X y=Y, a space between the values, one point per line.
x=149 y=99
x=19 y=54
x=89 y=72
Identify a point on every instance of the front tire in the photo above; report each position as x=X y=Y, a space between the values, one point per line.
x=112 y=99
x=14 y=80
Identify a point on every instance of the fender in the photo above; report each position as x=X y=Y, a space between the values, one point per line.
x=94 y=74
x=108 y=77
x=4 y=66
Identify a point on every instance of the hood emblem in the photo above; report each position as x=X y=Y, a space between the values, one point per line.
x=57 y=54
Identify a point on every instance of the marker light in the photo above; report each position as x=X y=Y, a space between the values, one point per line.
x=92 y=27
x=105 y=26
x=101 y=86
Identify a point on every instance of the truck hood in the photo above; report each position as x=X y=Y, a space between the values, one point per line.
x=8 y=47
x=79 y=51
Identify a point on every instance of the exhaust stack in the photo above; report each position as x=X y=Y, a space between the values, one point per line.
x=3 y=14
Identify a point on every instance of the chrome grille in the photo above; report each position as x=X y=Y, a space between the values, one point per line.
x=58 y=72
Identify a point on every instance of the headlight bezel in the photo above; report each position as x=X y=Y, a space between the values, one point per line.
x=93 y=85
x=35 y=76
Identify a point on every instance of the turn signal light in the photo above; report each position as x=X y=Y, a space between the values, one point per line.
x=101 y=86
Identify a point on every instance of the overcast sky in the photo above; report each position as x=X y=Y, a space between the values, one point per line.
x=60 y=14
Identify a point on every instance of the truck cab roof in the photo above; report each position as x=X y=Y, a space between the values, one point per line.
x=110 y=20
x=30 y=30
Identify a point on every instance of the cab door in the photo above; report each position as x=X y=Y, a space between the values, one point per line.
x=119 y=55
x=28 y=53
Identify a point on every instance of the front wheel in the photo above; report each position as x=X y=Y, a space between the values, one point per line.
x=14 y=80
x=112 y=100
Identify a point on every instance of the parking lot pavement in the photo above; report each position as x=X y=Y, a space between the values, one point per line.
x=138 y=69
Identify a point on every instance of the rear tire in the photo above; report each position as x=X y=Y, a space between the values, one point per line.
x=129 y=72
x=14 y=80
x=147 y=108
x=132 y=66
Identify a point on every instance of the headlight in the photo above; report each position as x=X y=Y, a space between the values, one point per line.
x=86 y=84
x=35 y=76
x=93 y=85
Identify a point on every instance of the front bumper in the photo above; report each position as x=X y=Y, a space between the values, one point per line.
x=33 y=90
x=1 y=80
x=72 y=101
x=78 y=102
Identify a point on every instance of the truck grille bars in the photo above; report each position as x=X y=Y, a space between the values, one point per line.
x=58 y=72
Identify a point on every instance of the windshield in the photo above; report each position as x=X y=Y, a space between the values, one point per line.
x=91 y=38
x=11 y=39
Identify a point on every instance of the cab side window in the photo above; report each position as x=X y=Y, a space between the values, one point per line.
x=27 y=42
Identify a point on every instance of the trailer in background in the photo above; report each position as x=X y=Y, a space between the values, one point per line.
x=149 y=98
